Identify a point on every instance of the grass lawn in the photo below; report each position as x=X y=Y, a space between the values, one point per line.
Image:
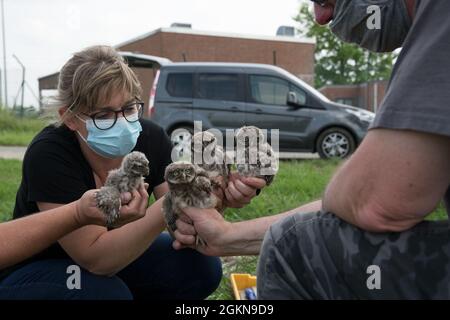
x=15 y=131
x=298 y=182
x=10 y=171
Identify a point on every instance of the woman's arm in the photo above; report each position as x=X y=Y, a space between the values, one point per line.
x=22 y=238
x=160 y=190
x=106 y=252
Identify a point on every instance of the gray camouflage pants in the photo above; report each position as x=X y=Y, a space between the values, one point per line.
x=319 y=256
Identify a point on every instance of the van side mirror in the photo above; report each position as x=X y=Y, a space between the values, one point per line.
x=292 y=99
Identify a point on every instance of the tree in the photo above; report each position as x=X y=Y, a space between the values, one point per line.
x=337 y=62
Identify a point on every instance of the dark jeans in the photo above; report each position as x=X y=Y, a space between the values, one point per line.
x=160 y=273
x=319 y=256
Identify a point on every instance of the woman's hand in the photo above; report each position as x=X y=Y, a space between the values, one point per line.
x=134 y=205
x=241 y=190
x=136 y=208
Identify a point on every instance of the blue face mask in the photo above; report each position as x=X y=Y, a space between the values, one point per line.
x=115 y=142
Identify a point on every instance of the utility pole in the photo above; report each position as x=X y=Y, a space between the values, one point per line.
x=4 y=54
x=22 y=86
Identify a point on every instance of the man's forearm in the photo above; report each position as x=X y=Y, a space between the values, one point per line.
x=246 y=236
x=22 y=238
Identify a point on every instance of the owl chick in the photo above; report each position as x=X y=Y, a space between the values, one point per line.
x=210 y=156
x=189 y=186
x=125 y=179
x=255 y=157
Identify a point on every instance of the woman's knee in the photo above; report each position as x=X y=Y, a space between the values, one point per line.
x=61 y=280
x=203 y=279
x=95 y=287
x=164 y=273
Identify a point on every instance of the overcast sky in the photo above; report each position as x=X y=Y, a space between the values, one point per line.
x=44 y=33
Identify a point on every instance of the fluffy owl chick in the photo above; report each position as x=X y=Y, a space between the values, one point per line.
x=189 y=186
x=125 y=179
x=255 y=157
x=210 y=156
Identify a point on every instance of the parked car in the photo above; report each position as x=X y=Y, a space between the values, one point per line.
x=230 y=95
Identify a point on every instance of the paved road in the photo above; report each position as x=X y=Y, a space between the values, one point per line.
x=18 y=153
x=12 y=152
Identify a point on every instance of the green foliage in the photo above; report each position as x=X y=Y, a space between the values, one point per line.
x=337 y=62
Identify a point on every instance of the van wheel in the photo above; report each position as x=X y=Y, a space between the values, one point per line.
x=181 y=138
x=335 y=143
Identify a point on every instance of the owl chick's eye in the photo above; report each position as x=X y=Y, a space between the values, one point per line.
x=176 y=173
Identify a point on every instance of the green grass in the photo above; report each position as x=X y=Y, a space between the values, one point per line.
x=10 y=171
x=298 y=182
x=16 y=131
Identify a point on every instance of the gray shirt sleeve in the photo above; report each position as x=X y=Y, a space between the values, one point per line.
x=418 y=97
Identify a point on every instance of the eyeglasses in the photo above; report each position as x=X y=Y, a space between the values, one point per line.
x=320 y=2
x=106 y=119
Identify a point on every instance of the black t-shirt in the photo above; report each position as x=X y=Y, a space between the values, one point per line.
x=55 y=170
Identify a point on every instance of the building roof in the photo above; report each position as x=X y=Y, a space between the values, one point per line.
x=54 y=74
x=218 y=34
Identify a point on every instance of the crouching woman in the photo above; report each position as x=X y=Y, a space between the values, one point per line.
x=100 y=121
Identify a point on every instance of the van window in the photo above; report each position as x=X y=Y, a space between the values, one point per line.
x=219 y=87
x=180 y=85
x=301 y=95
x=273 y=90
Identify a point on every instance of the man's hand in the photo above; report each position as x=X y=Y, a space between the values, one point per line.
x=241 y=190
x=208 y=224
x=133 y=207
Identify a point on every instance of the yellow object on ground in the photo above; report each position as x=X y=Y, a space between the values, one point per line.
x=240 y=282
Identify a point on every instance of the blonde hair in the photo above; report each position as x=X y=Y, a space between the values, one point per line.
x=91 y=77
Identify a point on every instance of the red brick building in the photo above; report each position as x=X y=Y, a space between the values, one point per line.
x=288 y=52
x=367 y=95
x=184 y=44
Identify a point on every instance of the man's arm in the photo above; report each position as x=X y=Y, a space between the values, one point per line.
x=395 y=179
x=22 y=238
x=226 y=238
